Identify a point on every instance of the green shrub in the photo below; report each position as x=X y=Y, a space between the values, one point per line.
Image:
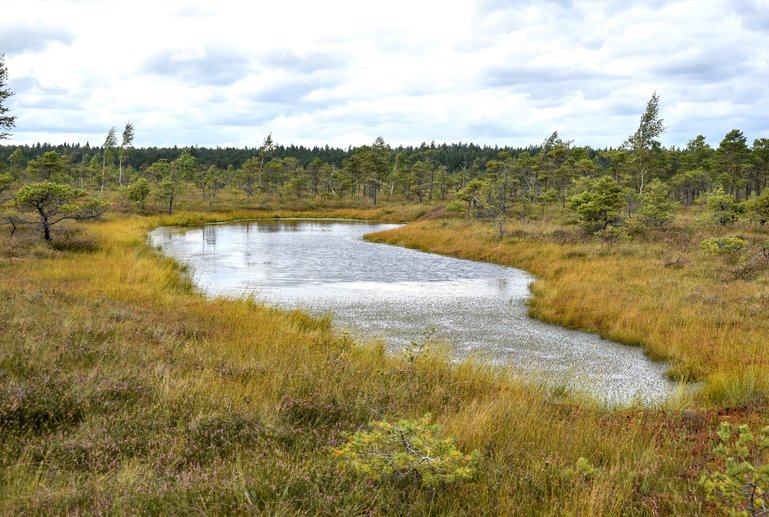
x=407 y=449
x=582 y=470
x=722 y=245
x=657 y=207
x=457 y=205
x=740 y=488
x=722 y=208
x=612 y=234
x=598 y=203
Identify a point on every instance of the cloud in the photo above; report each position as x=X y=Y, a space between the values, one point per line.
x=527 y=75
x=754 y=14
x=16 y=38
x=194 y=11
x=32 y=95
x=486 y=71
x=288 y=93
x=213 y=66
x=304 y=64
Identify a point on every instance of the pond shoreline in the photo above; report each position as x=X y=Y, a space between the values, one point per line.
x=361 y=308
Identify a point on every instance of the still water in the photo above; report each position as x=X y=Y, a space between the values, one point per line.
x=398 y=294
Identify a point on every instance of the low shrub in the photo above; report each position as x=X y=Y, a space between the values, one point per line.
x=407 y=450
x=740 y=487
x=722 y=245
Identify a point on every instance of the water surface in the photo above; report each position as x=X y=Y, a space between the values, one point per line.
x=398 y=294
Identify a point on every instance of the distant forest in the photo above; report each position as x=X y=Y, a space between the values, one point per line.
x=452 y=156
x=466 y=176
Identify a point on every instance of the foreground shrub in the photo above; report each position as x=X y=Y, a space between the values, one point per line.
x=598 y=204
x=740 y=488
x=407 y=449
x=657 y=207
x=722 y=245
x=456 y=205
x=722 y=208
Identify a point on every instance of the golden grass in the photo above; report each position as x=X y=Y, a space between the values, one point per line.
x=127 y=392
x=671 y=299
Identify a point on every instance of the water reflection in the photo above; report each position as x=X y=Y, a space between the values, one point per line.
x=209 y=236
x=396 y=294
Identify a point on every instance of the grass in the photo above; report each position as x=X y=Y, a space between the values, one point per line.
x=122 y=390
x=661 y=292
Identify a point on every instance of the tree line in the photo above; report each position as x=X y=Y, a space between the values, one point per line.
x=544 y=173
x=639 y=179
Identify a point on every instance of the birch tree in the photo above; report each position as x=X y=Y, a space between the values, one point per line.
x=643 y=143
x=107 y=149
x=125 y=146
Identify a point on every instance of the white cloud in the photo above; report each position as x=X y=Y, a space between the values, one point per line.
x=343 y=72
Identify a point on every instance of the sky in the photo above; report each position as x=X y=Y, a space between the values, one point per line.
x=344 y=72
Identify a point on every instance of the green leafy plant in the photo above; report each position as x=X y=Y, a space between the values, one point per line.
x=582 y=470
x=412 y=449
x=740 y=488
x=722 y=208
x=657 y=207
x=722 y=245
x=456 y=205
x=138 y=192
x=612 y=234
x=598 y=203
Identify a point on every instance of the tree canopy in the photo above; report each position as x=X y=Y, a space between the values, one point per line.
x=53 y=203
x=6 y=121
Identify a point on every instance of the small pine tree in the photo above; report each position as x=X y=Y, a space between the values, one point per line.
x=657 y=207
x=722 y=208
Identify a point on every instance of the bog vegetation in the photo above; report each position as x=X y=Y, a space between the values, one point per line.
x=123 y=390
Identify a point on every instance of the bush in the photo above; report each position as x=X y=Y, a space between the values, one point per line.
x=598 y=204
x=456 y=205
x=657 y=208
x=722 y=208
x=612 y=234
x=138 y=192
x=740 y=488
x=758 y=207
x=407 y=449
x=722 y=245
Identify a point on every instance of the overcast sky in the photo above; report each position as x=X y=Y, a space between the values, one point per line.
x=342 y=72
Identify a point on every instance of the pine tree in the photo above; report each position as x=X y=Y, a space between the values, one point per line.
x=6 y=121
